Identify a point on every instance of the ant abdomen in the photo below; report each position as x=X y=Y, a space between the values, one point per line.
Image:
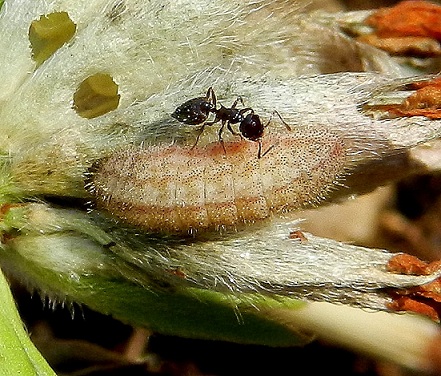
x=193 y=112
x=196 y=111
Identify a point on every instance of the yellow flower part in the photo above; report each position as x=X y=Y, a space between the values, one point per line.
x=49 y=33
x=96 y=95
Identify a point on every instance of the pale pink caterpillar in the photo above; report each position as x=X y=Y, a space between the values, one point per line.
x=177 y=189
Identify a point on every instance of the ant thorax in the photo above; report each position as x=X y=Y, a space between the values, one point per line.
x=231 y=115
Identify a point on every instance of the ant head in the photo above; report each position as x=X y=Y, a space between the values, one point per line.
x=251 y=127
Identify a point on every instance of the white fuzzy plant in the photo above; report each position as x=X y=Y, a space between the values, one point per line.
x=252 y=285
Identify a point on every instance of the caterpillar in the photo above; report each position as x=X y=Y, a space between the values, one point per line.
x=176 y=189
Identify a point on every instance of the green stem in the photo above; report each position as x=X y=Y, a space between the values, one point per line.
x=18 y=355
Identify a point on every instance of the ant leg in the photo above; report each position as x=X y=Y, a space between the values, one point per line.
x=201 y=129
x=221 y=130
x=233 y=131
x=211 y=95
x=238 y=99
x=259 y=153
x=221 y=140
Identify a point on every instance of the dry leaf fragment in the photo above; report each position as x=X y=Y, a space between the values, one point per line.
x=424 y=299
x=411 y=46
x=424 y=100
x=411 y=265
x=408 y=18
x=411 y=28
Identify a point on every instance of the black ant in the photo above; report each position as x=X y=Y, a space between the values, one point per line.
x=196 y=111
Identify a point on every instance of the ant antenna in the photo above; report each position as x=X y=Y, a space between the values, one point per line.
x=259 y=153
